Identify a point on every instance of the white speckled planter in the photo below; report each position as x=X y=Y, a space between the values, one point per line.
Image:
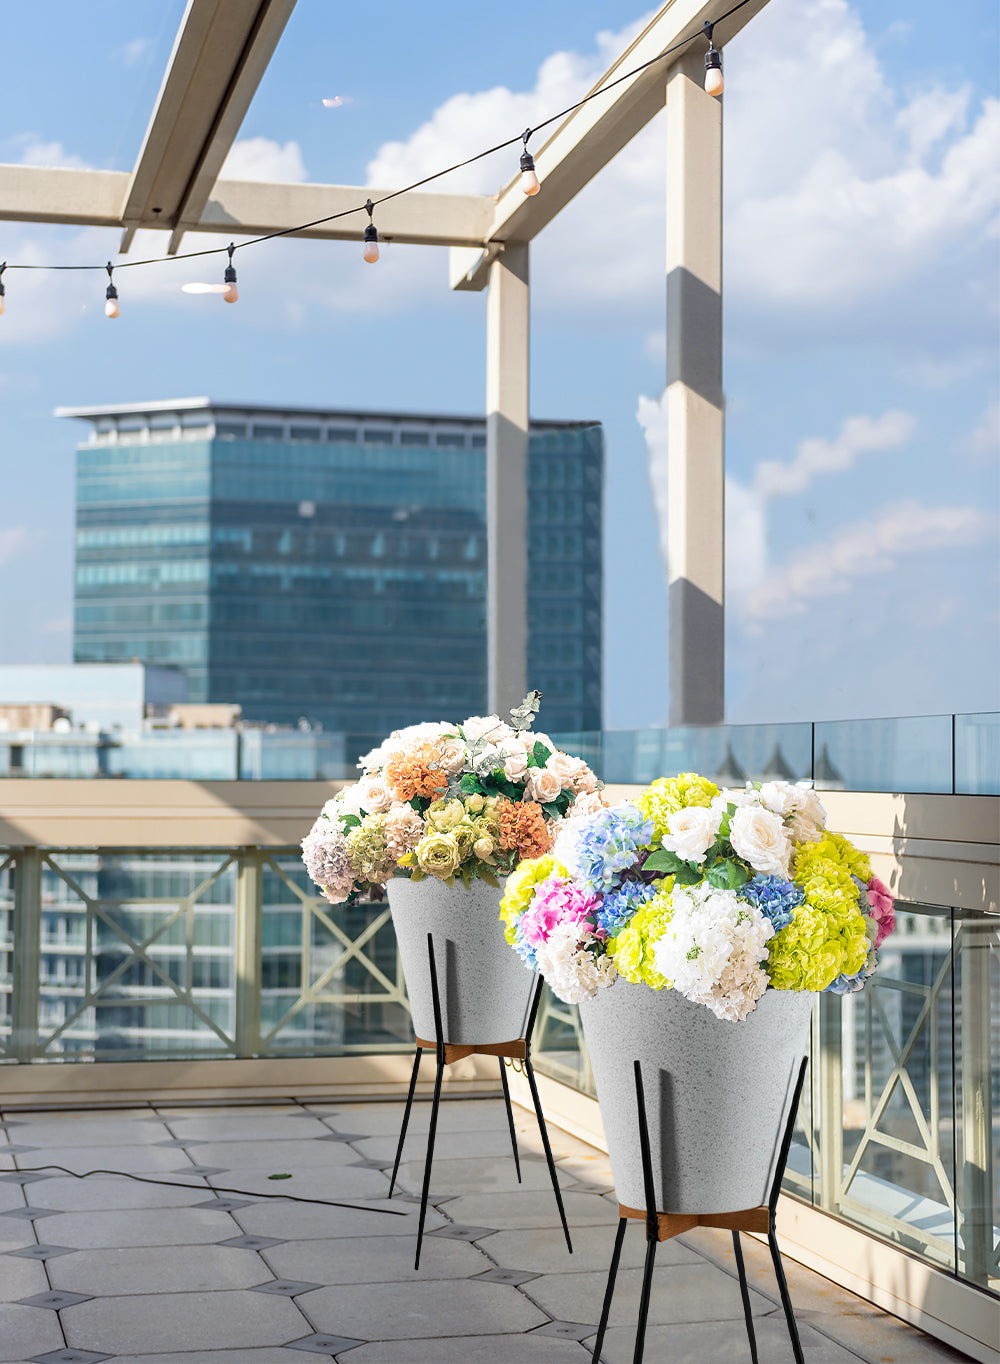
x=717 y=1093
x=485 y=988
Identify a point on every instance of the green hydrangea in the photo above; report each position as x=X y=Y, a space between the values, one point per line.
x=632 y=950
x=520 y=890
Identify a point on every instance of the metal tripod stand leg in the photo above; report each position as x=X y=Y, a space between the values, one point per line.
x=406 y=1118
x=609 y=1291
x=652 y=1222
x=745 y=1295
x=772 y=1205
x=510 y=1116
x=530 y=1073
x=435 y=1104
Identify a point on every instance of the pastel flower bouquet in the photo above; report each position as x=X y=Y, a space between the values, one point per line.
x=720 y=895
x=448 y=801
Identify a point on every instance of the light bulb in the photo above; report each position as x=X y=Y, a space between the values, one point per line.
x=111 y=307
x=2 y=306
x=371 y=251
x=232 y=293
x=714 y=84
x=529 y=180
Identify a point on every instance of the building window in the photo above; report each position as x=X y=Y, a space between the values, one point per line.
x=342 y=434
x=450 y=440
x=304 y=432
x=415 y=438
x=231 y=430
x=267 y=431
x=378 y=436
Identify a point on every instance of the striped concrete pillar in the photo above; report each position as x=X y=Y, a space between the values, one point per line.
x=507 y=341
x=695 y=452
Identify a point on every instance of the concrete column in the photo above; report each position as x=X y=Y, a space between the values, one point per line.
x=507 y=338
x=27 y=953
x=695 y=445
x=249 y=915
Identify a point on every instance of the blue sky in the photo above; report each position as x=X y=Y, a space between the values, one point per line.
x=862 y=216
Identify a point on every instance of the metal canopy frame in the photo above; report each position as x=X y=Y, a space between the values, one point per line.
x=219 y=57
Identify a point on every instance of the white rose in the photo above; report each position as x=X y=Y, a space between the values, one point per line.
x=479 y=725
x=780 y=796
x=567 y=769
x=345 y=802
x=543 y=785
x=693 y=830
x=453 y=754
x=749 y=795
x=809 y=818
x=515 y=766
x=373 y=795
x=587 y=803
x=759 y=836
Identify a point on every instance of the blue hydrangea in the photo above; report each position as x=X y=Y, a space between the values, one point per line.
x=524 y=949
x=620 y=904
x=596 y=850
x=847 y=985
x=774 y=897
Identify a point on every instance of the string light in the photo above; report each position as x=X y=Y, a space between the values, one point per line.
x=714 y=84
x=529 y=182
x=111 y=307
x=232 y=293
x=529 y=179
x=371 y=252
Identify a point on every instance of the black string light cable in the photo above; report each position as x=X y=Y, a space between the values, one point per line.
x=529 y=182
x=213 y=1188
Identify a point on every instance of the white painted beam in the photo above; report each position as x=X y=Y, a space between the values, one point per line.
x=507 y=370
x=220 y=54
x=587 y=139
x=247 y=208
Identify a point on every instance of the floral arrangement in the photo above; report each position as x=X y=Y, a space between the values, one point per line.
x=718 y=894
x=442 y=800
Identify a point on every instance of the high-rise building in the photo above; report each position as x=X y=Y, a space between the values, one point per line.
x=330 y=565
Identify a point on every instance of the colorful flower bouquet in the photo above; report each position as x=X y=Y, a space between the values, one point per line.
x=717 y=894
x=445 y=800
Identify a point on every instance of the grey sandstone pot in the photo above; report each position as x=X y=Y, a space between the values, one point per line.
x=717 y=1093
x=485 y=988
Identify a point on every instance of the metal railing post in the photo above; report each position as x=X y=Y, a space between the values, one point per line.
x=828 y=1095
x=249 y=913
x=27 y=952
x=975 y=1201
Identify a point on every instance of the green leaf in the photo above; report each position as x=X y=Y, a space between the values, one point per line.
x=551 y=808
x=663 y=861
x=418 y=803
x=471 y=784
x=488 y=877
x=350 y=821
x=540 y=754
x=727 y=875
x=686 y=875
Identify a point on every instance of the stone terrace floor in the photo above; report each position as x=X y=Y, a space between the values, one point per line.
x=107 y=1268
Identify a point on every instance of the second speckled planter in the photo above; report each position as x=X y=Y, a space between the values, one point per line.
x=485 y=989
x=717 y=1093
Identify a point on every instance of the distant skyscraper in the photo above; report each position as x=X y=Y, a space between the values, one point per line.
x=330 y=565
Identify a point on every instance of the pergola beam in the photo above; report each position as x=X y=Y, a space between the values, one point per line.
x=592 y=135
x=247 y=208
x=220 y=55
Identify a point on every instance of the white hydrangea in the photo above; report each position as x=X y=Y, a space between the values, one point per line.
x=573 y=973
x=712 y=949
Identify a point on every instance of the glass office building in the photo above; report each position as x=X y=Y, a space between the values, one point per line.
x=330 y=565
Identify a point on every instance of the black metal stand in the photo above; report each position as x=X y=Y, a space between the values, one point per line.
x=447 y=1052
x=661 y=1226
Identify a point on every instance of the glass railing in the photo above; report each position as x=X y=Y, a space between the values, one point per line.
x=156 y=954
x=953 y=754
x=947 y=754
x=899 y=1128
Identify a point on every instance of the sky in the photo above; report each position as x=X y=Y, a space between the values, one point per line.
x=862 y=216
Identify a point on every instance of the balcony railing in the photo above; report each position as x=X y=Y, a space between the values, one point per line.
x=161 y=921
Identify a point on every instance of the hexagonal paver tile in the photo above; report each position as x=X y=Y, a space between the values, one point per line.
x=323 y=1345
x=411 y=1311
x=199 y=1322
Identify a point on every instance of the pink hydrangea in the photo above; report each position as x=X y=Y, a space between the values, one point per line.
x=556 y=902
x=881 y=906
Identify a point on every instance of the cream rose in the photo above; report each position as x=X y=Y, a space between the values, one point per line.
x=693 y=830
x=587 y=803
x=374 y=795
x=543 y=785
x=809 y=818
x=567 y=769
x=779 y=796
x=759 y=836
x=477 y=726
x=454 y=754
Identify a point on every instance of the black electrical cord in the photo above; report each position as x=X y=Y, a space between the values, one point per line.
x=417 y=184
x=212 y=1188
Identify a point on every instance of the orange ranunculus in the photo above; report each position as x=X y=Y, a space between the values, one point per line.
x=522 y=826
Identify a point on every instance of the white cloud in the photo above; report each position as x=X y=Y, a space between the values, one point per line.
x=133 y=52
x=260 y=158
x=815 y=456
x=863 y=549
x=13 y=539
x=37 y=152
